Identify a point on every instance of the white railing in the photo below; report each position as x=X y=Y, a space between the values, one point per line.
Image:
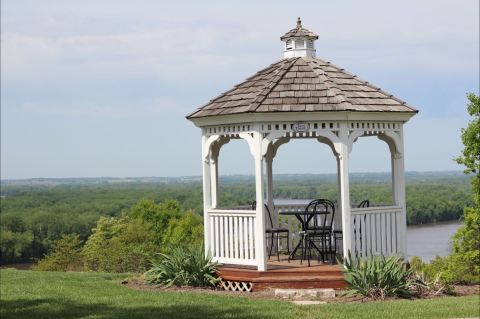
x=376 y=230
x=232 y=236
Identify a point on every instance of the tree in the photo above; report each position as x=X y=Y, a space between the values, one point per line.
x=65 y=256
x=471 y=140
x=464 y=261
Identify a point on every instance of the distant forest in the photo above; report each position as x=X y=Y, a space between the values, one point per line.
x=35 y=213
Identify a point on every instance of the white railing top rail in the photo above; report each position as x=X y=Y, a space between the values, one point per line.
x=231 y=212
x=375 y=209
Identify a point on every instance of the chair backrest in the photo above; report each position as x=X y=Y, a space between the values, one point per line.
x=325 y=219
x=254 y=206
x=364 y=204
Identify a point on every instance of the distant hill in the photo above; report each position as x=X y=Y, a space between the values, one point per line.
x=231 y=179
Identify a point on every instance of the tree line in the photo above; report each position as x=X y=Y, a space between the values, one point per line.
x=34 y=217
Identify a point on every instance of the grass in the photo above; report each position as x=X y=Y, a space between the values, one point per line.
x=30 y=294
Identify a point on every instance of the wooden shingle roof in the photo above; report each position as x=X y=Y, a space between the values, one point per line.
x=302 y=84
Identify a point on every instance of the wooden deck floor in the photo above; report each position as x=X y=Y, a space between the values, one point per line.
x=286 y=274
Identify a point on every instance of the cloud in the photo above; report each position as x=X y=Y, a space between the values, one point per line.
x=92 y=40
x=110 y=111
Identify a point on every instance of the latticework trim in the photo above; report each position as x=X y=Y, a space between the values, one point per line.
x=245 y=286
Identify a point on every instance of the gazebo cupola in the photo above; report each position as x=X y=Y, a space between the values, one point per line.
x=301 y=97
x=299 y=42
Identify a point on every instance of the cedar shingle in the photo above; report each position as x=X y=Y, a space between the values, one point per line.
x=302 y=84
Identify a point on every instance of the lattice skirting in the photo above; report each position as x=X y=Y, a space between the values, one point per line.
x=245 y=286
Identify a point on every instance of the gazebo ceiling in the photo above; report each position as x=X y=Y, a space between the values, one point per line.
x=302 y=84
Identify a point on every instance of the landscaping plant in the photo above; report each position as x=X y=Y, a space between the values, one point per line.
x=183 y=266
x=379 y=277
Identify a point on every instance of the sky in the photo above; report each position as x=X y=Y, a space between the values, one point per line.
x=102 y=88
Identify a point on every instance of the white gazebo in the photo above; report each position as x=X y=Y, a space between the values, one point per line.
x=301 y=97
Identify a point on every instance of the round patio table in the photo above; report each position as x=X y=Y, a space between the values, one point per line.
x=304 y=218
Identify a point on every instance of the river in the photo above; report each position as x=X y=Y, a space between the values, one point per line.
x=428 y=241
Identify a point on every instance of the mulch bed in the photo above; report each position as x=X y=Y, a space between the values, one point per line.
x=139 y=284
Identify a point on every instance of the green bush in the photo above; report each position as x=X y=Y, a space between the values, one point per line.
x=379 y=277
x=119 y=245
x=430 y=271
x=184 y=231
x=65 y=256
x=431 y=275
x=127 y=243
x=464 y=261
x=183 y=266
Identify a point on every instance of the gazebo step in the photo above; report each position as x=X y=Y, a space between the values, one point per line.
x=304 y=271
x=229 y=273
x=335 y=282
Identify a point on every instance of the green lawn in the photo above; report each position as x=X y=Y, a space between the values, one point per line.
x=29 y=294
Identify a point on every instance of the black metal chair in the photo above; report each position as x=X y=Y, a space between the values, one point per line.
x=364 y=204
x=275 y=234
x=317 y=236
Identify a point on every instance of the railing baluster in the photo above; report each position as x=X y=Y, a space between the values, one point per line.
x=388 y=235
x=251 y=242
x=235 y=236
x=230 y=237
x=242 y=244
x=222 y=237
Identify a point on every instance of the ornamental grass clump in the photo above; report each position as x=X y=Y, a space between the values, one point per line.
x=183 y=266
x=378 y=277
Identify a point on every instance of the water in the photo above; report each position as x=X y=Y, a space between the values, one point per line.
x=428 y=241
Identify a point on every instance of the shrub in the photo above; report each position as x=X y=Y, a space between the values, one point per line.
x=379 y=277
x=432 y=275
x=183 y=266
x=430 y=271
x=186 y=230
x=119 y=245
x=464 y=261
x=65 y=256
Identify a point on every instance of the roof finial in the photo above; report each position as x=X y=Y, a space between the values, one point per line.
x=299 y=23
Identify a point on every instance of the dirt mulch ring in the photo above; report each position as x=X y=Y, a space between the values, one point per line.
x=138 y=283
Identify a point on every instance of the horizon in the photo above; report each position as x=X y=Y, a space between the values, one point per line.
x=459 y=172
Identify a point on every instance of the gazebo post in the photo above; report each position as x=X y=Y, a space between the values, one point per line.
x=214 y=177
x=207 y=199
x=260 y=248
x=339 y=183
x=398 y=176
x=269 y=169
x=344 y=202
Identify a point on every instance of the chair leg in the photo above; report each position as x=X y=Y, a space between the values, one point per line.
x=310 y=243
x=333 y=251
x=288 y=246
x=278 y=247
x=271 y=245
x=334 y=245
x=303 y=250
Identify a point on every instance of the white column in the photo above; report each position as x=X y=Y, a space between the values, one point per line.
x=269 y=164
x=214 y=177
x=260 y=248
x=207 y=203
x=339 y=196
x=347 y=226
x=398 y=176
